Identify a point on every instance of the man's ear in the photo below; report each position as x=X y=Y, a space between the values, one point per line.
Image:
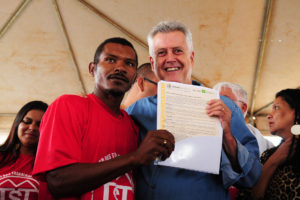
x=244 y=107
x=152 y=63
x=192 y=58
x=140 y=83
x=92 y=68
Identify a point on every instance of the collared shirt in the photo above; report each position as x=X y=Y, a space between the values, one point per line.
x=162 y=182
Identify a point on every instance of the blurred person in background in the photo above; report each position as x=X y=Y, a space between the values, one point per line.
x=280 y=177
x=145 y=85
x=17 y=154
x=239 y=96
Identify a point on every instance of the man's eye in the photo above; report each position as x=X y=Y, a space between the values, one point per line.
x=131 y=64
x=177 y=51
x=110 y=60
x=161 y=53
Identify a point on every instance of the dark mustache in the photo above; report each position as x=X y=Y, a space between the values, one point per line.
x=118 y=76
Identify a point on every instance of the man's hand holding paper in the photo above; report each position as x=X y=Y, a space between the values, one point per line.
x=157 y=143
x=182 y=111
x=217 y=108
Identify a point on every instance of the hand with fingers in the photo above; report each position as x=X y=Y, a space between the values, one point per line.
x=217 y=108
x=157 y=143
x=285 y=150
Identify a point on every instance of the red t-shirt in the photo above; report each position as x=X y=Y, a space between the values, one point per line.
x=84 y=130
x=16 y=181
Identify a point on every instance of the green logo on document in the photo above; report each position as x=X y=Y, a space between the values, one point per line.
x=203 y=91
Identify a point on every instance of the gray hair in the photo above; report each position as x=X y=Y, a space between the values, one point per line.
x=166 y=27
x=236 y=89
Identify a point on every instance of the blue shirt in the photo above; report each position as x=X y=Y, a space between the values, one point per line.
x=162 y=182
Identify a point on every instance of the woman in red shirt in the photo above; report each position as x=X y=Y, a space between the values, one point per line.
x=18 y=152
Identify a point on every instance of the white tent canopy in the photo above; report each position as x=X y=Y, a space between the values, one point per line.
x=46 y=45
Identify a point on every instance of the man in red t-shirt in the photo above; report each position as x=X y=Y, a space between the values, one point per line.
x=89 y=146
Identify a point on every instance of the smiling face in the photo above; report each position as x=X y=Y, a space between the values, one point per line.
x=116 y=69
x=29 y=131
x=281 y=119
x=173 y=61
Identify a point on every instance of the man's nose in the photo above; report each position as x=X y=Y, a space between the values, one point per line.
x=170 y=56
x=120 y=67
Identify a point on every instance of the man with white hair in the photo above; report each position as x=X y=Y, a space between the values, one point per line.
x=172 y=59
x=239 y=96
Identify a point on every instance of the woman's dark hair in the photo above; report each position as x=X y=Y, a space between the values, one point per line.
x=292 y=97
x=10 y=149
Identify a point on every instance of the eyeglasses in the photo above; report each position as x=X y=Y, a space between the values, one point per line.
x=150 y=81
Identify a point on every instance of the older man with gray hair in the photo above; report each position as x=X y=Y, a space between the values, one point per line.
x=239 y=96
x=172 y=59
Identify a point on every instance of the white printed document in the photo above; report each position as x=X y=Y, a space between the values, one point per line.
x=198 y=137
